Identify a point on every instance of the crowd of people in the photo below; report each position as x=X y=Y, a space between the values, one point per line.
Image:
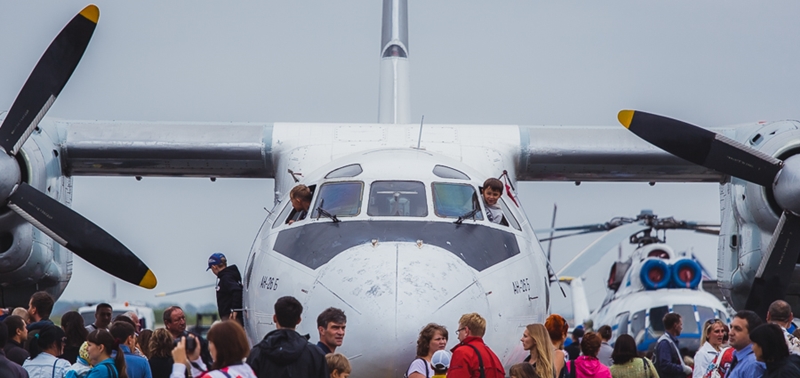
x=32 y=345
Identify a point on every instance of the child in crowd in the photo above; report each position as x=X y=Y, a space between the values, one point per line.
x=338 y=365
x=492 y=190
x=440 y=362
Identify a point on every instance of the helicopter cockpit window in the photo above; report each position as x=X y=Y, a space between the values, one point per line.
x=637 y=326
x=657 y=320
x=456 y=200
x=687 y=314
x=449 y=173
x=705 y=314
x=398 y=199
x=342 y=199
x=351 y=170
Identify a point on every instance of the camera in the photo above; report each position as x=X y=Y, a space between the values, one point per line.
x=191 y=343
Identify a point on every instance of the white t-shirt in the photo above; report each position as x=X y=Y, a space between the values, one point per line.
x=418 y=366
x=46 y=365
x=494 y=213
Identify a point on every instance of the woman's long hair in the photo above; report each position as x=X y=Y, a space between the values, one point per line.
x=161 y=344
x=772 y=342
x=624 y=350
x=48 y=336
x=230 y=342
x=72 y=323
x=544 y=347
x=104 y=338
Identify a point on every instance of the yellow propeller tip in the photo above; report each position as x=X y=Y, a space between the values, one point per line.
x=149 y=280
x=625 y=117
x=91 y=13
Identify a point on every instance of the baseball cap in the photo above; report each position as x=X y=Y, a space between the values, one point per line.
x=441 y=360
x=216 y=259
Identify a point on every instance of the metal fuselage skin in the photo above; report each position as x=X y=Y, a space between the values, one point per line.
x=392 y=275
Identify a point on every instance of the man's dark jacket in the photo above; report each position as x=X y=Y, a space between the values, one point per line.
x=15 y=352
x=285 y=353
x=229 y=292
x=9 y=369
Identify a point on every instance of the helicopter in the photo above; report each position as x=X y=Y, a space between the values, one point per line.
x=651 y=282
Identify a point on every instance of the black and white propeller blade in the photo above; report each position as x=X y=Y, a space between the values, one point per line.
x=47 y=80
x=61 y=223
x=711 y=150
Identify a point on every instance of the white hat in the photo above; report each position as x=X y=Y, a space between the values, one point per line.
x=441 y=359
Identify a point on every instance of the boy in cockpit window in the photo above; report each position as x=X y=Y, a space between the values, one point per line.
x=492 y=190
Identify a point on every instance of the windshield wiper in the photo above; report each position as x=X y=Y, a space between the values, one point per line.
x=470 y=214
x=324 y=213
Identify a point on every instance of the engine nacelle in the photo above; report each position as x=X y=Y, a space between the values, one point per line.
x=655 y=274
x=749 y=213
x=29 y=259
x=685 y=274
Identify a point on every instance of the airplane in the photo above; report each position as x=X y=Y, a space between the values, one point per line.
x=642 y=288
x=59 y=149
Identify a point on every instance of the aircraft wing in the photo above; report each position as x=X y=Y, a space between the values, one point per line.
x=264 y=150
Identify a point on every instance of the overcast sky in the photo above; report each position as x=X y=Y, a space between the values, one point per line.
x=513 y=62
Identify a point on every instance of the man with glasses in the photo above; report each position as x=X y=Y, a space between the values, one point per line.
x=471 y=357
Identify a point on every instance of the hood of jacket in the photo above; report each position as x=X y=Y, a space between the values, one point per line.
x=590 y=367
x=284 y=346
x=231 y=271
x=39 y=325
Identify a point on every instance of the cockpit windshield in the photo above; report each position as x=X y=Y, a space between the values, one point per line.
x=397 y=198
x=455 y=200
x=342 y=199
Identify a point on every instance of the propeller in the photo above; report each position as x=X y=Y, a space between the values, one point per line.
x=728 y=156
x=645 y=216
x=58 y=221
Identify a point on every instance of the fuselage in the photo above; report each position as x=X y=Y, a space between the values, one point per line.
x=397 y=260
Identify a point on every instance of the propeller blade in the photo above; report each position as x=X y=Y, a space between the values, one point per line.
x=702 y=147
x=595 y=251
x=775 y=271
x=80 y=236
x=47 y=79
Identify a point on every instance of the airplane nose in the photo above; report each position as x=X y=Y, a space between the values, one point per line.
x=389 y=292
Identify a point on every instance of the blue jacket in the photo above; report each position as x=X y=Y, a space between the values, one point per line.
x=105 y=369
x=136 y=366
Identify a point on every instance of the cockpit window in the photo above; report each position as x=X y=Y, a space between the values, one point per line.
x=397 y=198
x=456 y=200
x=342 y=199
x=687 y=313
x=449 y=173
x=351 y=170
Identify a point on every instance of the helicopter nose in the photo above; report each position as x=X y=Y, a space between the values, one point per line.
x=397 y=289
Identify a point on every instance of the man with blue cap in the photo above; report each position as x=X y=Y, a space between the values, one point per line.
x=229 y=287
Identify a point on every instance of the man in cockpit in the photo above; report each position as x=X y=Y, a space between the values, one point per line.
x=300 y=196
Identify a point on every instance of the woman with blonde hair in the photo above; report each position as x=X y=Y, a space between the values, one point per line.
x=536 y=340
x=714 y=331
